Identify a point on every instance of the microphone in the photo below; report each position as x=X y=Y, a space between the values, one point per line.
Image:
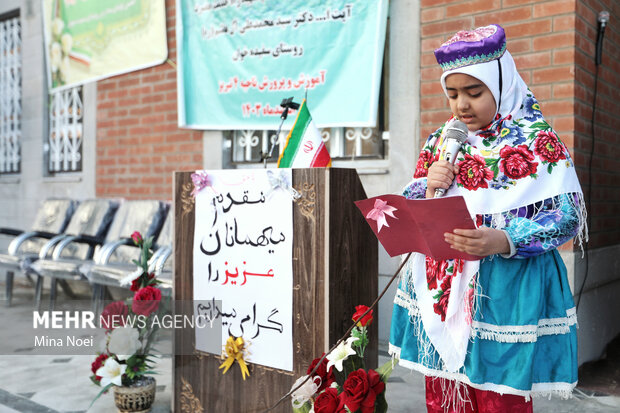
x=456 y=135
x=603 y=18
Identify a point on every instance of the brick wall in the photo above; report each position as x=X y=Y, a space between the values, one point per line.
x=552 y=43
x=138 y=141
x=605 y=209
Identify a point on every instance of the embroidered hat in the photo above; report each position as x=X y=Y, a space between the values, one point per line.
x=470 y=47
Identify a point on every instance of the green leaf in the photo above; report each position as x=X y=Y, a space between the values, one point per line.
x=385 y=370
x=438 y=295
x=550 y=167
x=105 y=389
x=541 y=125
x=305 y=408
x=491 y=162
x=381 y=405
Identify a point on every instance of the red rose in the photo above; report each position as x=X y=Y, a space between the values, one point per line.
x=548 y=147
x=327 y=377
x=328 y=402
x=146 y=300
x=97 y=364
x=357 y=392
x=359 y=310
x=517 y=162
x=114 y=315
x=441 y=306
x=424 y=161
x=375 y=382
x=432 y=268
x=473 y=172
x=137 y=238
x=137 y=283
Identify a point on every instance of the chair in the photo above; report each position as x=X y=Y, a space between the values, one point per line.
x=51 y=219
x=106 y=274
x=143 y=216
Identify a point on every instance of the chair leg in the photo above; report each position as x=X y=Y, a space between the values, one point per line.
x=53 y=290
x=66 y=288
x=9 y=287
x=38 y=291
x=95 y=298
x=29 y=278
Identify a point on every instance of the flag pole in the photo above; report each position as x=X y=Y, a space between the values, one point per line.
x=286 y=105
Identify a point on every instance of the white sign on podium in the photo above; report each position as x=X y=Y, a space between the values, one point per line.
x=243 y=250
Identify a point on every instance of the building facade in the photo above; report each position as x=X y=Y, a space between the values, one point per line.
x=125 y=142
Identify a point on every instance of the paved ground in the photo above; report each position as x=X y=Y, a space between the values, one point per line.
x=50 y=384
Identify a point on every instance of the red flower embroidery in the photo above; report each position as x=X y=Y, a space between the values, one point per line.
x=432 y=268
x=473 y=172
x=517 y=162
x=548 y=147
x=441 y=306
x=424 y=162
x=442 y=273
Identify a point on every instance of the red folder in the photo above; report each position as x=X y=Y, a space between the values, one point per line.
x=405 y=225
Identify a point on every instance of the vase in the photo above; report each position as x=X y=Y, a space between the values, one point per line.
x=137 y=397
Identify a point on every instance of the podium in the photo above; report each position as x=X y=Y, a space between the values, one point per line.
x=335 y=268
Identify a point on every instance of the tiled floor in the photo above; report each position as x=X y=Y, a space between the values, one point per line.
x=49 y=384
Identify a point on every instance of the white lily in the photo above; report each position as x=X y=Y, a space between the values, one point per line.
x=341 y=353
x=111 y=372
x=305 y=392
x=124 y=342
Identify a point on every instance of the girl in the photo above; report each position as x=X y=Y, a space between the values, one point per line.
x=489 y=334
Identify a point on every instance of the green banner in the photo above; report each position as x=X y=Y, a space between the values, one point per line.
x=87 y=40
x=239 y=58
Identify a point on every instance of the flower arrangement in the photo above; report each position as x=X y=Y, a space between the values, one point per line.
x=339 y=382
x=129 y=335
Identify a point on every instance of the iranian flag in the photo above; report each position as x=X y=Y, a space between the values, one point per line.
x=304 y=147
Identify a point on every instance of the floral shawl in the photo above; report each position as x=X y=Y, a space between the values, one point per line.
x=516 y=161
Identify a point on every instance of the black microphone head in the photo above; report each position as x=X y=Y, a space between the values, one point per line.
x=457 y=130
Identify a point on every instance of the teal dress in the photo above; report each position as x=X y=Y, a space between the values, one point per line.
x=523 y=330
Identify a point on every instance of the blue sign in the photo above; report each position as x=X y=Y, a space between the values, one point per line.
x=239 y=58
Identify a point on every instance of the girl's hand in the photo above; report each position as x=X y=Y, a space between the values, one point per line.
x=440 y=175
x=482 y=241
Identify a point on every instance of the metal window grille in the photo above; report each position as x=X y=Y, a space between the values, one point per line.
x=10 y=95
x=342 y=143
x=66 y=130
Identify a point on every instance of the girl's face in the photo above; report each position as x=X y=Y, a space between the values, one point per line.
x=471 y=101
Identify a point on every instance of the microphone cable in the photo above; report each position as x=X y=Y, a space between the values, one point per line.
x=603 y=18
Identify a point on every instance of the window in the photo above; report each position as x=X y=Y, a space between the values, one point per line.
x=10 y=94
x=64 y=146
x=342 y=143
